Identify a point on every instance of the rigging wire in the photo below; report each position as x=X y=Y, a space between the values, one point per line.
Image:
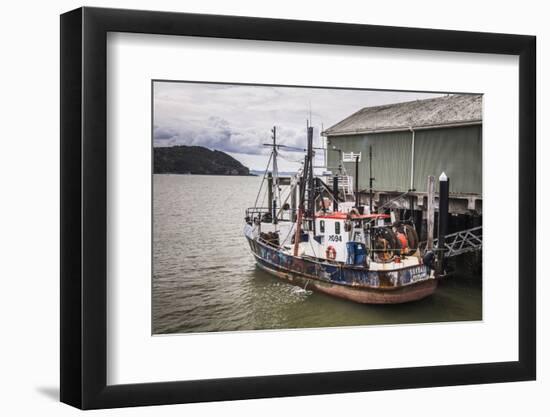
x=263 y=179
x=299 y=161
x=263 y=198
x=390 y=202
x=290 y=231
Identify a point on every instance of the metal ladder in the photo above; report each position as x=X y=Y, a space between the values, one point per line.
x=345 y=184
x=469 y=240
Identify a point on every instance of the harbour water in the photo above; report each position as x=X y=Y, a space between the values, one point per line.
x=205 y=279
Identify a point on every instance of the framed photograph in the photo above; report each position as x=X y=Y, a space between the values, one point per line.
x=257 y=208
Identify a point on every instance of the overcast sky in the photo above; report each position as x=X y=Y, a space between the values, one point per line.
x=237 y=119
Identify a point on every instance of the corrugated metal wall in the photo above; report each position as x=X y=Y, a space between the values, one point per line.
x=391 y=159
x=457 y=151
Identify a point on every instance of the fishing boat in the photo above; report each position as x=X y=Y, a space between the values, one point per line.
x=311 y=235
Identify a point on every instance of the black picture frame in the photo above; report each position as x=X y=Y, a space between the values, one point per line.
x=84 y=207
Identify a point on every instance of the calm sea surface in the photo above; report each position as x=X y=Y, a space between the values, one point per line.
x=205 y=278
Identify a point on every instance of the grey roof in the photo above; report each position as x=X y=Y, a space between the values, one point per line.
x=433 y=112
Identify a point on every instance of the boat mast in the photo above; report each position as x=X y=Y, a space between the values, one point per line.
x=357 y=202
x=307 y=184
x=324 y=146
x=310 y=178
x=275 y=190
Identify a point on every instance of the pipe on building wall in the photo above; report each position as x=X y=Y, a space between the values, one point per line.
x=411 y=188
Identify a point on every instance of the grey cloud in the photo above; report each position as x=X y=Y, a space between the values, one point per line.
x=160 y=133
x=238 y=118
x=218 y=133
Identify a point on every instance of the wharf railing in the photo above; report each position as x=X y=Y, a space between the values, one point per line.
x=464 y=241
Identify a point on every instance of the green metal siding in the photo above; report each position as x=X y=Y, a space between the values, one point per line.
x=457 y=151
x=391 y=159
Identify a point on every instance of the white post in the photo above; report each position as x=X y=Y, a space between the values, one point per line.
x=412 y=160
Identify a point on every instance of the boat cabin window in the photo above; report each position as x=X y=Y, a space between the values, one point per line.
x=337 y=228
x=322 y=226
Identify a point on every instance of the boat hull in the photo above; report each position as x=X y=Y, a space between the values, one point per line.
x=348 y=282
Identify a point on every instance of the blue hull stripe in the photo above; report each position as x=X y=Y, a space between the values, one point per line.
x=337 y=273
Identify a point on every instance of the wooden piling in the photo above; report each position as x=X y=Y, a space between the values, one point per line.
x=430 y=208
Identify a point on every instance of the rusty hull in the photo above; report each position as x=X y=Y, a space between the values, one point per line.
x=344 y=281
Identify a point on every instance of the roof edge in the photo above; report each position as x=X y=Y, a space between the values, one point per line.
x=327 y=132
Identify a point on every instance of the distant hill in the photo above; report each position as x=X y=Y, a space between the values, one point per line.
x=195 y=160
